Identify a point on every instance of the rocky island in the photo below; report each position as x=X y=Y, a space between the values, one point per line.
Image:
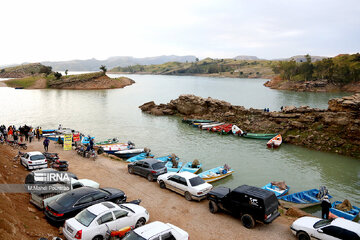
x=336 y=129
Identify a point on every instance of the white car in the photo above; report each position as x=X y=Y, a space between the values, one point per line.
x=157 y=231
x=33 y=160
x=93 y=222
x=185 y=183
x=307 y=228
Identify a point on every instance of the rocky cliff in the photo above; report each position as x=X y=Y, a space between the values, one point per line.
x=336 y=129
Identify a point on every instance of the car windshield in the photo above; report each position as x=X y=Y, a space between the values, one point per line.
x=67 y=200
x=158 y=165
x=37 y=157
x=322 y=223
x=85 y=217
x=196 y=181
x=133 y=236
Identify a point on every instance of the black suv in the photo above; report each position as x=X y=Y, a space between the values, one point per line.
x=251 y=203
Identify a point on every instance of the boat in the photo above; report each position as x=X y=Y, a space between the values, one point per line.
x=182 y=167
x=349 y=215
x=220 y=127
x=199 y=125
x=204 y=127
x=108 y=142
x=48 y=131
x=302 y=199
x=264 y=136
x=215 y=174
x=19 y=88
x=128 y=153
x=166 y=158
x=236 y=130
x=55 y=137
x=110 y=149
x=275 y=142
x=86 y=140
x=279 y=188
x=190 y=121
x=139 y=157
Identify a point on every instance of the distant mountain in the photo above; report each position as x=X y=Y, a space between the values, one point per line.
x=301 y=58
x=244 y=57
x=94 y=64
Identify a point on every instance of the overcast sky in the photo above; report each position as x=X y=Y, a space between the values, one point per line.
x=40 y=30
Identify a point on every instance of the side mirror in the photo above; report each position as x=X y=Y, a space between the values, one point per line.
x=320 y=231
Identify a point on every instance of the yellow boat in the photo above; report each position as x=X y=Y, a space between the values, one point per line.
x=215 y=174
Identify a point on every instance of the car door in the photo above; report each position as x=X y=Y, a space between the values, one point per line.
x=334 y=233
x=83 y=203
x=182 y=185
x=123 y=219
x=145 y=169
x=138 y=167
x=24 y=158
x=105 y=221
x=171 y=182
x=99 y=197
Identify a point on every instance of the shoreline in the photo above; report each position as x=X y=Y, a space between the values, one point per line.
x=113 y=173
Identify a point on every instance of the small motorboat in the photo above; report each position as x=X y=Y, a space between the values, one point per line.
x=199 y=125
x=303 y=199
x=208 y=126
x=190 y=121
x=141 y=156
x=279 y=188
x=236 y=130
x=275 y=142
x=86 y=140
x=182 y=167
x=128 y=153
x=344 y=210
x=55 y=137
x=220 y=128
x=46 y=131
x=215 y=174
x=108 y=142
x=263 y=136
x=110 y=149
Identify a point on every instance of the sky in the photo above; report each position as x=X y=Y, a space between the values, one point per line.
x=57 y=30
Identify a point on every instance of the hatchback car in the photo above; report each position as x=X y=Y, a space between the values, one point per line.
x=157 y=231
x=307 y=228
x=74 y=201
x=33 y=160
x=185 y=183
x=150 y=168
x=93 y=222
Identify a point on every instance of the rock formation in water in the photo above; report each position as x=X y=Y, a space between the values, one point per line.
x=336 y=129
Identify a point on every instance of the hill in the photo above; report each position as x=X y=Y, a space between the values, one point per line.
x=207 y=67
x=94 y=64
x=24 y=70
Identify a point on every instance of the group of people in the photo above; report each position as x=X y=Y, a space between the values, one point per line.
x=21 y=134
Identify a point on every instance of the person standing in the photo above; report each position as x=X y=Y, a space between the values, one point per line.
x=40 y=132
x=31 y=135
x=46 y=144
x=325 y=207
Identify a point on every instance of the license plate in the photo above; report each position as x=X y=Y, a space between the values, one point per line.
x=69 y=229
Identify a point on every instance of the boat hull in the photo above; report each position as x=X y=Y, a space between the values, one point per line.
x=278 y=192
x=259 y=136
x=302 y=199
x=214 y=174
x=349 y=215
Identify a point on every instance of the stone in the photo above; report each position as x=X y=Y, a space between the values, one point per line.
x=30 y=209
x=147 y=106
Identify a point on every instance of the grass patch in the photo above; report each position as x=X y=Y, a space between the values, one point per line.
x=22 y=82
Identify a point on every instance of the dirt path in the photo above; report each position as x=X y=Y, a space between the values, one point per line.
x=39 y=84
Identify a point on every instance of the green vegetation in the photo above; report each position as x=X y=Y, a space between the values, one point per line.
x=57 y=75
x=103 y=68
x=341 y=69
x=26 y=69
x=22 y=82
x=53 y=81
x=224 y=67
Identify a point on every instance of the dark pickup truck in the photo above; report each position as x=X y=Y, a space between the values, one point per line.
x=251 y=203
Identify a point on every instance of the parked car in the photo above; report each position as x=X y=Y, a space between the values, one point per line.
x=42 y=200
x=31 y=179
x=156 y=231
x=150 y=168
x=33 y=160
x=251 y=203
x=307 y=228
x=71 y=203
x=93 y=222
x=185 y=183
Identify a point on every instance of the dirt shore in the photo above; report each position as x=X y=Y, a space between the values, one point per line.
x=163 y=205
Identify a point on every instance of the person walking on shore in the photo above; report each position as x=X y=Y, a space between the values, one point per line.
x=325 y=207
x=46 y=144
x=31 y=135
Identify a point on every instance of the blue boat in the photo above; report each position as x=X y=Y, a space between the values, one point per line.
x=215 y=174
x=86 y=140
x=136 y=158
x=55 y=137
x=180 y=168
x=48 y=131
x=301 y=199
x=275 y=189
x=349 y=215
x=128 y=153
x=166 y=158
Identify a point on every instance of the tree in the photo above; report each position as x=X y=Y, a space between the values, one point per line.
x=103 y=68
x=66 y=72
x=2 y=70
x=196 y=60
x=45 y=69
x=57 y=75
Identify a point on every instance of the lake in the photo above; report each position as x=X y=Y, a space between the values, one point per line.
x=115 y=113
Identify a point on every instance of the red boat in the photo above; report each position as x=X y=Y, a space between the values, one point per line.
x=275 y=141
x=220 y=127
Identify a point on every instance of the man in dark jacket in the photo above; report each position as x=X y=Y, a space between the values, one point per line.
x=325 y=207
x=46 y=144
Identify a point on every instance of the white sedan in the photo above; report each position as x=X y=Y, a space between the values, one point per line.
x=157 y=231
x=33 y=160
x=307 y=228
x=93 y=222
x=185 y=183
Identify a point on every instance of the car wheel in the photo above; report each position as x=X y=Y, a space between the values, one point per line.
x=119 y=201
x=188 y=196
x=98 y=238
x=162 y=185
x=302 y=236
x=248 y=221
x=213 y=207
x=131 y=170
x=150 y=177
x=140 y=222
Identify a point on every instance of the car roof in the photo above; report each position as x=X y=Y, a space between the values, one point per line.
x=186 y=174
x=35 y=153
x=79 y=192
x=99 y=208
x=253 y=191
x=349 y=225
x=151 y=229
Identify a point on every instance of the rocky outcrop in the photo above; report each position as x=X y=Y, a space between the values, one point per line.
x=336 y=129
